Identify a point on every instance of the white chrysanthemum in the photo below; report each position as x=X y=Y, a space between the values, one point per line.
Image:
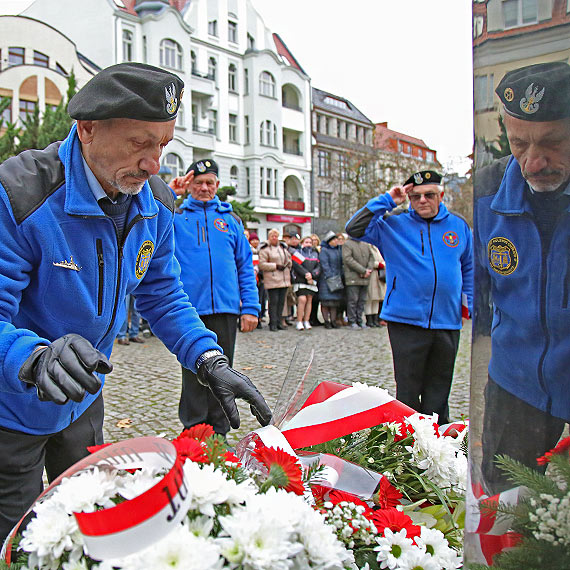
x=434 y=542
x=75 y=565
x=180 y=550
x=209 y=486
x=201 y=526
x=418 y=559
x=132 y=485
x=51 y=533
x=322 y=547
x=392 y=547
x=83 y=492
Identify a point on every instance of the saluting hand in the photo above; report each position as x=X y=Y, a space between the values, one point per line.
x=400 y=193
x=181 y=184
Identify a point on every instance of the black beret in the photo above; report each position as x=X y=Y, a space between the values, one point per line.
x=424 y=177
x=294 y=235
x=203 y=167
x=539 y=92
x=128 y=91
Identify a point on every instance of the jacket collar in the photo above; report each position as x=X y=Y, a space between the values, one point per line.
x=214 y=204
x=79 y=199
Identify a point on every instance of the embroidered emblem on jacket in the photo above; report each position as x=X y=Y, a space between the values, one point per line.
x=529 y=103
x=503 y=255
x=221 y=225
x=68 y=264
x=450 y=239
x=143 y=258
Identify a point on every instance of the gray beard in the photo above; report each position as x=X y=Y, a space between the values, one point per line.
x=130 y=190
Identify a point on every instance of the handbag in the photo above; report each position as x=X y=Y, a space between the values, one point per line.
x=334 y=283
x=382 y=275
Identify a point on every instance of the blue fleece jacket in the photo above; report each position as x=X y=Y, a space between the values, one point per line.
x=215 y=258
x=429 y=264
x=64 y=270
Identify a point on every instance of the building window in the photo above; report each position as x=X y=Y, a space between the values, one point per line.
x=213 y=122
x=60 y=69
x=268 y=180
x=246 y=81
x=343 y=166
x=41 y=59
x=212 y=68
x=325 y=210
x=520 y=13
x=170 y=54
x=213 y=28
x=6 y=115
x=484 y=92
x=180 y=116
x=250 y=42
x=246 y=129
x=232 y=32
x=328 y=126
x=193 y=67
x=233 y=130
x=127 y=45
x=266 y=84
x=15 y=56
x=336 y=103
x=247 y=181
x=194 y=117
x=324 y=159
x=174 y=162
x=232 y=78
x=344 y=206
x=234 y=176
x=268 y=134
x=27 y=108
x=430 y=156
x=339 y=128
x=275 y=182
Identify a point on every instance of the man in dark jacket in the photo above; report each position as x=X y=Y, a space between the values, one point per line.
x=522 y=237
x=429 y=264
x=83 y=224
x=216 y=270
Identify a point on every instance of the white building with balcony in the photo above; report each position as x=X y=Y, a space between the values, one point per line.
x=247 y=101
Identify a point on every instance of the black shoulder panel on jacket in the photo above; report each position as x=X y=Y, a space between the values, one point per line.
x=31 y=178
x=487 y=180
x=237 y=218
x=162 y=192
x=356 y=227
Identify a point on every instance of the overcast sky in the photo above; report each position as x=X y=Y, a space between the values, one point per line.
x=407 y=62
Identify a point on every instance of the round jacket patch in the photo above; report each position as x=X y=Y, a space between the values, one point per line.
x=221 y=225
x=143 y=258
x=503 y=255
x=450 y=239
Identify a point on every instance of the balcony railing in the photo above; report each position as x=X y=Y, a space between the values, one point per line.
x=292 y=150
x=197 y=73
x=293 y=106
x=204 y=130
x=294 y=205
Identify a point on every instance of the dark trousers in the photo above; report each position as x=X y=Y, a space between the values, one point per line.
x=423 y=366
x=197 y=403
x=262 y=294
x=23 y=457
x=513 y=427
x=276 y=299
x=355 y=298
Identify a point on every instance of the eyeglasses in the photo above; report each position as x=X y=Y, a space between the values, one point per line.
x=418 y=197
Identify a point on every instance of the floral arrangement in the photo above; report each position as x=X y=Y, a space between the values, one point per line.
x=271 y=510
x=540 y=520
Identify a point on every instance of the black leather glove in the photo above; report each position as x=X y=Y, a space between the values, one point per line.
x=64 y=369
x=227 y=384
x=279 y=267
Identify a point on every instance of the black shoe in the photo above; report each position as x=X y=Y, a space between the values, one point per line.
x=335 y=325
x=282 y=327
x=328 y=325
x=259 y=325
x=316 y=323
x=273 y=328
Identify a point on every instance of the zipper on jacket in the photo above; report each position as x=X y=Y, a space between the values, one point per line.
x=422 y=238
x=198 y=230
x=101 y=264
x=434 y=274
x=391 y=290
x=207 y=239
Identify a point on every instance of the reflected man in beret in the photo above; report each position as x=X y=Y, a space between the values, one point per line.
x=522 y=234
x=84 y=223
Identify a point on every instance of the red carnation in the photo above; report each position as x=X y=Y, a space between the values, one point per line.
x=284 y=471
x=200 y=432
x=336 y=497
x=387 y=495
x=562 y=446
x=395 y=520
x=189 y=448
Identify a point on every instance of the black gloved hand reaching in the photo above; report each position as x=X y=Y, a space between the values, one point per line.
x=227 y=384
x=64 y=369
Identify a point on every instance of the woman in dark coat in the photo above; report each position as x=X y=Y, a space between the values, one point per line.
x=306 y=272
x=331 y=266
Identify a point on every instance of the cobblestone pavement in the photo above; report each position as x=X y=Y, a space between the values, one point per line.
x=144 y=386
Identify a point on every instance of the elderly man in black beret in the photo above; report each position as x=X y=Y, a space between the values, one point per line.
x=522 y=235
x=84 y=223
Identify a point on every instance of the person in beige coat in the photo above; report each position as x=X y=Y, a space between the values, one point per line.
x=275 y=263
x=376 y=290
x=358 y=263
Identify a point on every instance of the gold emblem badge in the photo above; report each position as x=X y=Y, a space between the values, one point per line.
x=143 y=258
x=503 y=255
x=509 y=94
x=427 y=175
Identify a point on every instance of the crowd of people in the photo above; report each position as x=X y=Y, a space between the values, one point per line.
x=306 y=282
